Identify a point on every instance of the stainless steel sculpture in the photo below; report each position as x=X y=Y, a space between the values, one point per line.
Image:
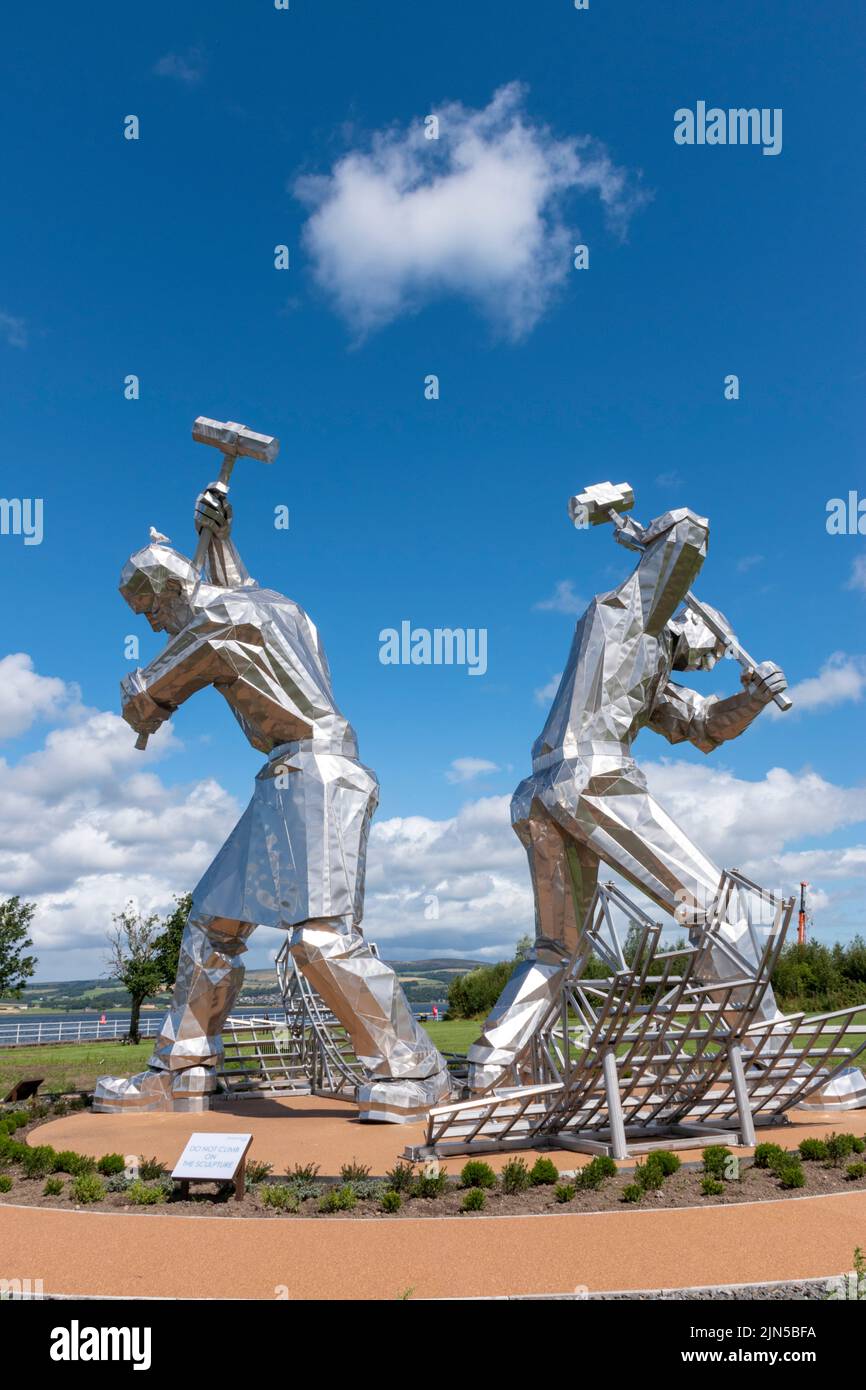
x=643 y=1053
x=296 y=858
x=587 y=802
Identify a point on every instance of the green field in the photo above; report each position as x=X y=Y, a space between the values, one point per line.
x=71 y=1066
x=75 y=1066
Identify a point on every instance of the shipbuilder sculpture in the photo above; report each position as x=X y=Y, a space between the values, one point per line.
x=587 y=804
x=296 y=858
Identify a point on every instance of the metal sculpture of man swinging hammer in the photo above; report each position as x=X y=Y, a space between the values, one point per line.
x=587 y=803
x=296 y=858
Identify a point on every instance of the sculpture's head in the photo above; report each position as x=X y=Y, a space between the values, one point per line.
x=696 y=648
x=159 y=582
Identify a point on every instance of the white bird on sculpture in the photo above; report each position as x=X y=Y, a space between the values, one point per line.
x=157 y=537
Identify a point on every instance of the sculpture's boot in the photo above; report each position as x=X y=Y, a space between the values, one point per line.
x=188 y=1052
x=517 y=1014
x=407 y=1074
x=188 y=1090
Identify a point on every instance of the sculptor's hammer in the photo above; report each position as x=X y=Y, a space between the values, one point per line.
x=234 y=441
x=605 y=502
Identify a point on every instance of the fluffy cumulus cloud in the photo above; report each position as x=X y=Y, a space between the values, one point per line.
x=477 y=212
x=841 y=679
x=86 y=822
x=459 y=885
x=25 y=696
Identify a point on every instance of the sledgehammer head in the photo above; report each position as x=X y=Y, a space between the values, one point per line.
x=594 y=505
x=235 y=439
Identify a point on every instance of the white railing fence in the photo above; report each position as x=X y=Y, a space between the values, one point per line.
x=76 y=1030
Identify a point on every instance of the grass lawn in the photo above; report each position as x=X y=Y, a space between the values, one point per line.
x=71 y=1066
x=75 y=1066
x=453 y=1037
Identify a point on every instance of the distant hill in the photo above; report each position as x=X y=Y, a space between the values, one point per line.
x=425 y=981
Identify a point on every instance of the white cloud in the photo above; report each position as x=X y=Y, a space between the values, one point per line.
x=466 y=769
x=857 y=578
x=748 y=562
x=459 y=886
x=188 y=67
x=562 y=600
x=26 y=696
x=842 y=678
x=545 y=693
x=13 y=329
x=86 y=823
x=746 y=825
x=477 y=213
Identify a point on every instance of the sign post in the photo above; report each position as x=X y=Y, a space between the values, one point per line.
x=213 y=1158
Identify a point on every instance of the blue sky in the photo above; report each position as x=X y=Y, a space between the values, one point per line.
x=156 y=257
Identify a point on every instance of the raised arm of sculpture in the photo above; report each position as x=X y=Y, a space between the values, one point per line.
x=674 y=548
x=681 y=714
x=213 y=512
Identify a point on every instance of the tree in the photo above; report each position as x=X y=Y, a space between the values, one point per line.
x=168 y=942
x=15 y=968
x=133 y=960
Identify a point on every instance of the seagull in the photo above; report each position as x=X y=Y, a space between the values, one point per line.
x=157 y=537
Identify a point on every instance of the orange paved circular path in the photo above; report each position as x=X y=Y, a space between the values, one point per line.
x=310 y=1129
x=441 y=1257
x=180 y=1257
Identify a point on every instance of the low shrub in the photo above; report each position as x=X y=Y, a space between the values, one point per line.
x=515 y=1176
x=5 y=1182
x=38 y=1162
x=257 y=1171
x=475 y=1173
x=565 y=1192
x=474 y=1200
x=305 y=1188
x=813 y=1150
x=716 y=1159
x=10 y=1151
x=430 y=1186
x=668 y=1161
x=53 y=1187
x=355 y=1172
x=790 y=1173
x=543 y=1173
x=68 y=1161
x=391 y=1200
x=631 y=1193
x=279 y=1196
x=855 y=1171
x=401 y=1177
x=768 y=1155
x=146 y=1194
x=303 y=1172
x=150 y=1168
x=13 y=1120
x=839 y=1147
x=712 y=1186
x=87 y=1187
x=118 y=1182
x=860 y=1146
x=338 y=1199
x=111 y=1164
x=649 y=1176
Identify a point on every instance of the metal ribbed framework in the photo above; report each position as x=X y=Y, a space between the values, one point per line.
x=652 y=1055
